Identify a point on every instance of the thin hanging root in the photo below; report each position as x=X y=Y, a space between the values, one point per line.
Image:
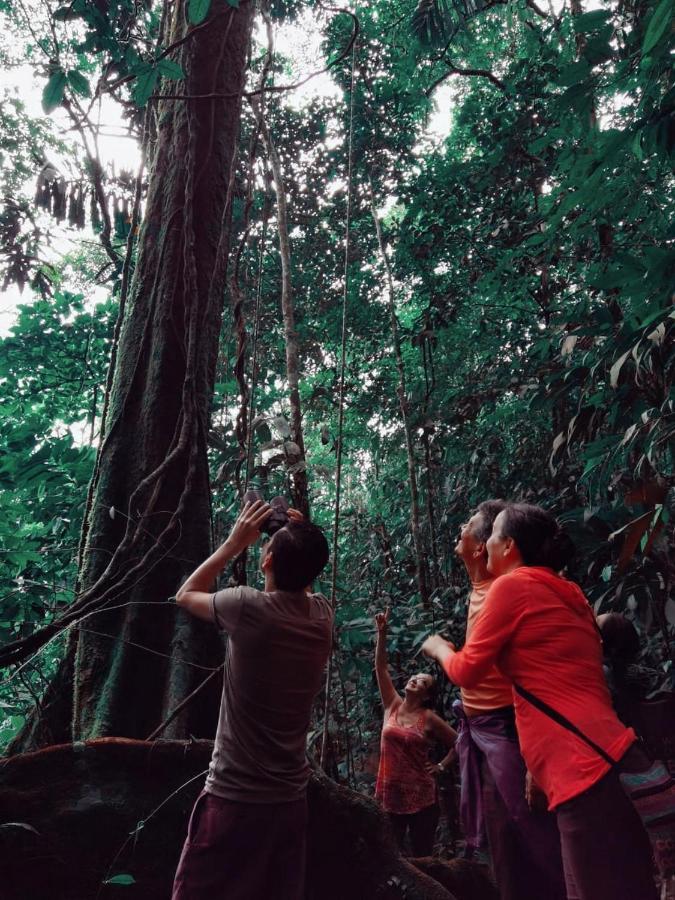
x=31 y=659
x=298 y=472
x=96 y=597
x=341 y=405
x=244 y=416
x=254 y=350
x=172 y=715
x=134 y=834
x=403 y=403
x=121 y=640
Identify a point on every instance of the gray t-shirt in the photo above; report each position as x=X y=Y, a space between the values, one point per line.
x=277 y=651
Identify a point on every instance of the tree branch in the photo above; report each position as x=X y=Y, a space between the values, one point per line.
x=539 y=11
x=456 y=70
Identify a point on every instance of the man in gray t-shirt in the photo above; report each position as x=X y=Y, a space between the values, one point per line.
x=246 y=837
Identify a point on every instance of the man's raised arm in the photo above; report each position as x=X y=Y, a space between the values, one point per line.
x=196 y=594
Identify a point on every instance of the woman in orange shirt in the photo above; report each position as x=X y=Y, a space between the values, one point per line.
x=540 y=631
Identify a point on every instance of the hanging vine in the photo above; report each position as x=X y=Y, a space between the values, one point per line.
x=415 y=527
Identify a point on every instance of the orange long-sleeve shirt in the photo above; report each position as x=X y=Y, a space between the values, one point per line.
x=494 y=690
x=540 y=631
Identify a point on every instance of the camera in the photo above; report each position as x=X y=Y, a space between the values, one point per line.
x=279 y=516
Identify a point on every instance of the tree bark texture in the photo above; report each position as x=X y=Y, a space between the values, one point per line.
x=136 y=656
x=77 y=815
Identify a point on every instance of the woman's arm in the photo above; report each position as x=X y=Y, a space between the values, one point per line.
x=387 y=690
x=495 y=627
x=436 y=647
x=447 y=736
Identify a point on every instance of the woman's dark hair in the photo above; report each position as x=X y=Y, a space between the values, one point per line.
x=299 y=553
x=537 y=535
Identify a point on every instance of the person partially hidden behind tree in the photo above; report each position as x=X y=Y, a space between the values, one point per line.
x=247 y=833
x=524 y=843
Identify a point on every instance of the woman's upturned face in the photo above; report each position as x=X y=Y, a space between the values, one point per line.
x=497 y=549
x=421 y=684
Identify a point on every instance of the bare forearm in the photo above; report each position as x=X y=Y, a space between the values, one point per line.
x=448 y=758
x=450 y=742
x=194 y=596
x=446 y=735
x=442 y=653
x=384 y=682
x=443 y=657
x=381 y=653
x=204 y=576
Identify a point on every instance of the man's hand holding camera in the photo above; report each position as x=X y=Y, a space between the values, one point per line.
x=252 y=520
x=246 y=530
x=257 y=516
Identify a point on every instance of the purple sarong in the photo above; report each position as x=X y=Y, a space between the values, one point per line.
x=524 y=845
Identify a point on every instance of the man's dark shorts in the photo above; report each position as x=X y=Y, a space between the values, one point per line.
x=243 y=851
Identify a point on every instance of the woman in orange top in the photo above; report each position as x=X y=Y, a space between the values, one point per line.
x=540 y=631
x=406 y=787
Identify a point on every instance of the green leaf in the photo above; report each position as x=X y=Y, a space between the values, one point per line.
x=591 y=21
x=198 y=10
x=234 y=3
x=170 y=69
x=598 y=50
x=572 y=73
x=53 y=92
x=615 y=371
x=79 y=83
x=661 y=18
x=120 y=879
x=145 y=84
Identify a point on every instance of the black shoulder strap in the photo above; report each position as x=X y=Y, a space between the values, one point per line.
x=562 y=720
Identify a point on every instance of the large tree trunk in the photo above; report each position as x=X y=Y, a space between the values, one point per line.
x=153 y=466
x=77 y=815
x=149 y=522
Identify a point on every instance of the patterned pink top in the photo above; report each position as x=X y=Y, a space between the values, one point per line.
x=403 y=784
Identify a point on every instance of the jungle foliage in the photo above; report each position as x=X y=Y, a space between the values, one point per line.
x=531 y=260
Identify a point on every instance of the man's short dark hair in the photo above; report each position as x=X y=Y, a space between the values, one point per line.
x=488 y=511
x=299 y=553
